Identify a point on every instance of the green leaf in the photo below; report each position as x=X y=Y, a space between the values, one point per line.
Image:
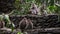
x=19 y=33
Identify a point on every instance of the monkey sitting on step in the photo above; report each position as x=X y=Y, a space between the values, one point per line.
x=25 y=24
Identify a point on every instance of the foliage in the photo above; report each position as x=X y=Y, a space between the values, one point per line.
x=1 y=17
x=19 y=33
x=52 y=8
x=23 y=8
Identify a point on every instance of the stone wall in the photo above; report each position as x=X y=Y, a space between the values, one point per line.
x=42 y=24
x=38 y=21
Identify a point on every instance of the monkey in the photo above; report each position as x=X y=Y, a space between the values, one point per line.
x=33 y=9
x=29 y=24
x=25 y=24
x=38 y=10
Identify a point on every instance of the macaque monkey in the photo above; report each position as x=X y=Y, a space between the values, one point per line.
x=34 y=9
x=37 y=10
x=25 y=24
